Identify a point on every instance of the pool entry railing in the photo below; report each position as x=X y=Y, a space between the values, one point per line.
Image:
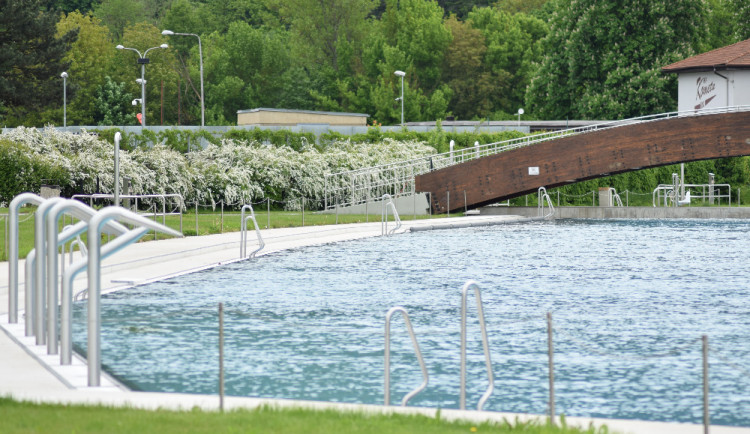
x=543 y=197
x=96 y=226
x=15 y=206
x=485 y=343
x=243 y=233
x=41 y=304
x=387 y=202
x=387 y=355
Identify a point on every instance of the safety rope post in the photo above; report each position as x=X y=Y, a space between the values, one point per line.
x=196 y=217
x=550 y=351
x=268 y=213
x=706 y=415
x=221 y=357
x=222 y=218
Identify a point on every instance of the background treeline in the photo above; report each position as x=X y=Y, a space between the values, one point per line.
x=557 y=59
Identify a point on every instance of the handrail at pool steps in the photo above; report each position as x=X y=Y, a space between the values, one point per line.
x=485 y=344
x=542 y=196
x=243 y=233
x=387 y=356
x=388 y=202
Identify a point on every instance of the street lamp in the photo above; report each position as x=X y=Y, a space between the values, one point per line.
x=200 y=55
x=401 y=74
x=64 y=76
x=142 y=60
x=520 y=112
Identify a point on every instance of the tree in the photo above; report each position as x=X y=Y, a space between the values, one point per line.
x=318 y=27
x=742 y=16
x=118 y=14
x=33 y=56
x=603 y=59
x=91 y=58
x=112 y=104
x=68 y=6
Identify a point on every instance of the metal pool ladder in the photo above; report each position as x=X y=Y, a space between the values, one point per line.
x=243 y=233
x=485 y=342
x=425 y=377
x=388 y=202
x=542 y=196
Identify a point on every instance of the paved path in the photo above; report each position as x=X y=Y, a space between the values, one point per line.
x=28 y=373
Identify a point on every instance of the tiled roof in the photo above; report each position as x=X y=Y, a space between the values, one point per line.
x=735 y=56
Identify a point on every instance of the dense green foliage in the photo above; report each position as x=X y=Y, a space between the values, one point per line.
x=468 y=59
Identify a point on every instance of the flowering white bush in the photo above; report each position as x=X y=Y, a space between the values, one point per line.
x=234 y=172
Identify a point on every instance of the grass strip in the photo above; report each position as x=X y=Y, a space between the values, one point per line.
x=24 y=417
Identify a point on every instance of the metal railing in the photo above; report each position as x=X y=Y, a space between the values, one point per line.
x=664 y=194
x=243 y=232
x=387 y=355
x=177 y=203
x=388 y=203
x=485 y=343
x=353 y=187
x=542 y=196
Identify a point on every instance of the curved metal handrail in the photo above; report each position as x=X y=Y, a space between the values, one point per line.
x=485 y=343
x=415 y=344
x=13 y=210
x=243 y=232
x=388 y=202
x=542 y=196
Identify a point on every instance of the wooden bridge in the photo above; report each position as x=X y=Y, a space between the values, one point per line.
x=579 y=157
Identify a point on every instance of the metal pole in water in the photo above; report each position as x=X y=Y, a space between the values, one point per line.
x=221 y=357
x=706 y=419
x=551 y=370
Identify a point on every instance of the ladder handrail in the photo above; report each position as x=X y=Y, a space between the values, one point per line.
x=384 y=216
x=541 y=197
x=387 y=356
x=243 y=232
x=616 y=197
x=485 y=343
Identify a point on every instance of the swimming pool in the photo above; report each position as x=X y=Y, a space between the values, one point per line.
x=630 y=300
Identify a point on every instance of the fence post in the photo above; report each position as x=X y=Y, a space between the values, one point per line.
x=550 y=352
x=196 y=217
x=268 y=213
x=593 y=198
x=465 y=207
x=221 y=230
x=303 y=212
x=221 y=357
x=706 y=420
x=448 y=196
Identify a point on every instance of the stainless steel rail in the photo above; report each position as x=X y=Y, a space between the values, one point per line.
x=15 y=206
x=542 y=196
x=243 y=232
x=388 y=202
x=415 y=344
x=485 y=343
x=94 y=277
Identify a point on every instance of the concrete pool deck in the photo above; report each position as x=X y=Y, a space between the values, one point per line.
x=28 y=373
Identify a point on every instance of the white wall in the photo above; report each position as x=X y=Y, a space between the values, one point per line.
x=706 y=90
x=701 y=90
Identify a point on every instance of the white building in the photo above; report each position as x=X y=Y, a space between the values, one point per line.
x=718 y=78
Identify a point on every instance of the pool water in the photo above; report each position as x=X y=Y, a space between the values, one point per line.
x=630 y=300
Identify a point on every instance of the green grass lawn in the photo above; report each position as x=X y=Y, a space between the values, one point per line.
x=20 y=417
x=208 y=222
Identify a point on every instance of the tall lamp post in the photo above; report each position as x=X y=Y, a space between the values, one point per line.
x=520 y=112
x=401 y=74
x=142 y=60
x=200 y=55
x=64 y=76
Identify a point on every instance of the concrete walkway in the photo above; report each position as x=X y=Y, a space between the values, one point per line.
x=28 y=373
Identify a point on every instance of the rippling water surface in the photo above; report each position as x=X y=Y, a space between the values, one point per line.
x=629 y=300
